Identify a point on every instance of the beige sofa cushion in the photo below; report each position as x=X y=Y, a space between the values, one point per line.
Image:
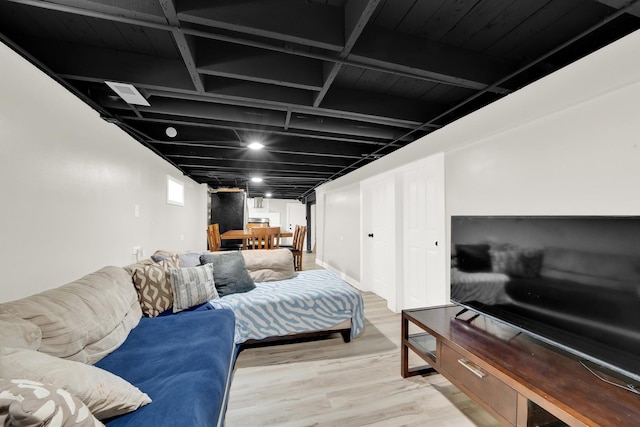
x=84 y=320
x=105 y=394
x=17 y=332
x=268 y=265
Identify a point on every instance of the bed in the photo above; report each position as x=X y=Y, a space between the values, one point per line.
x=310 y=301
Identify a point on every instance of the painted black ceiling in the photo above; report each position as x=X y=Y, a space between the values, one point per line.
x=326 y=85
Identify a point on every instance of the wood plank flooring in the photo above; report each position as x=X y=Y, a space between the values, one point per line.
x=330 y=383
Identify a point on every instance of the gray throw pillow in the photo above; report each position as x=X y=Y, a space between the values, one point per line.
x=189 y=259
x=229 y=272
x=192 y=286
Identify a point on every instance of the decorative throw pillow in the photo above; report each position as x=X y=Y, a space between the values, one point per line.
x=31 y=403
x=473 y=258
x=17 y=332
x=192 y=286
x=135 y=266
x=154 y=286
x=105 y=394
x=229 y=272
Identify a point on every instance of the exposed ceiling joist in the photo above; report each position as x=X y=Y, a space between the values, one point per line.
x=327 y=85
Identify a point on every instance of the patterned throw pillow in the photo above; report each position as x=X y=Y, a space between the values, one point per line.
x=192 y=286
x=31 y=403
x=105 y=394
x=154 y=286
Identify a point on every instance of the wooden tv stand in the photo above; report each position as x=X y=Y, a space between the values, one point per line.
x=517 y=379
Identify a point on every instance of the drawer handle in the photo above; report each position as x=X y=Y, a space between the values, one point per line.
x=473 y=368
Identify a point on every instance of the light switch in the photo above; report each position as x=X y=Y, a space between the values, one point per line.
x=136 y=210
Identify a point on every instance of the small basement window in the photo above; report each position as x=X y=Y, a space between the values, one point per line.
x=175 y=191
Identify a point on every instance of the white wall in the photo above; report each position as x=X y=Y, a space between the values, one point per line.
x=566 y=144
x=70 y=182
x=338 y=227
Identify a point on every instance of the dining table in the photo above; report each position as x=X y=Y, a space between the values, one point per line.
x=245 y=235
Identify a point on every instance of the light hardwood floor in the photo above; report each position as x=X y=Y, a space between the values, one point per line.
x=330 y=383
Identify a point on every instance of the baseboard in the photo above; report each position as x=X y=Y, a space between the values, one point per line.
x=350 y=280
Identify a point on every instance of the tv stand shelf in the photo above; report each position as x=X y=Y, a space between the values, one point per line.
x=519 y=380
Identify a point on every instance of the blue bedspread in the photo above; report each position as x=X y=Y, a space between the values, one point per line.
x=183 y=362
x=313 y=300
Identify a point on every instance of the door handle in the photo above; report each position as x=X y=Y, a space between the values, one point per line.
x=370 y=234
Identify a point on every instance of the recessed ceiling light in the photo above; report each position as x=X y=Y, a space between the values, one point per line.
x=256 y=179
x=268 y=195
x=128 y=93
x=171 y=132
x=256 y=146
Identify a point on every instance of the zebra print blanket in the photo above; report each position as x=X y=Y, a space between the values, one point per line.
x=312 y=300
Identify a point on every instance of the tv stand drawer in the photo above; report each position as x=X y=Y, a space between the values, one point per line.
x=471 y=377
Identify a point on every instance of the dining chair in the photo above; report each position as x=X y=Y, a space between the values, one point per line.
x=298 y=246
x=259 y=238
x=274 y=237
x=213 y=237
x=294 y=237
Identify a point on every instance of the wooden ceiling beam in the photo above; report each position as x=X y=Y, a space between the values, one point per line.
x=262 y=130
x=379 y=104
x=190 y=162
x=371 y=64
x=182 y=43
x=357 y=15
x=442 y=63
x=258 y=65
x=619 y=4
x=278 y=106
x=275 y=149
x=99 y=64
x=294 y=21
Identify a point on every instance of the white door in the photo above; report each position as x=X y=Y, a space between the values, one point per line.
x=424 y=246
x=381 y=236
x=296 y=215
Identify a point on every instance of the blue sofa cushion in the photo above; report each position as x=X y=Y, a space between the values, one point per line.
x=183 y=362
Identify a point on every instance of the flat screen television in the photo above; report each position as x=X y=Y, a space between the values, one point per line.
x=571 y=281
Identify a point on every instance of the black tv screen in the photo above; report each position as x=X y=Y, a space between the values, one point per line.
x=572 y=281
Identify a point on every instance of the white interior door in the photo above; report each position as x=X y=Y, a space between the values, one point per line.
x=381 y=236
x=296 y=215
x=424 y=246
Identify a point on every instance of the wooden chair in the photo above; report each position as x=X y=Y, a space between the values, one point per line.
x=259 y=238
x=213 y=237
x=298 y=246
x=274 y=236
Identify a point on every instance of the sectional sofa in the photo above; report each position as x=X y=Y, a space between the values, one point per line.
x=154 y=343
x=89 y=338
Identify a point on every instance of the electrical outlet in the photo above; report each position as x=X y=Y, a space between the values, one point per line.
x=136 y=250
